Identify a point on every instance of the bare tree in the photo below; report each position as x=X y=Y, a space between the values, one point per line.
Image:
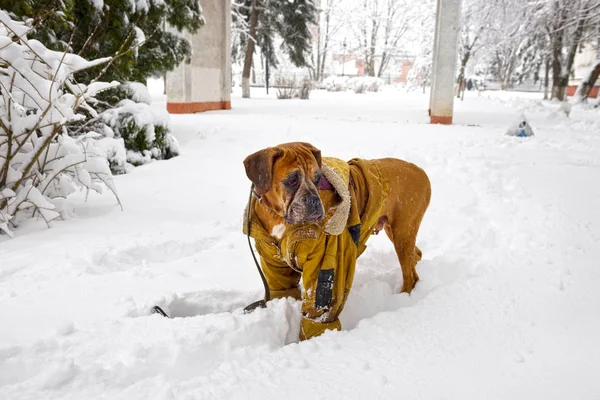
x=395 y=28
x=568 y=24
x=475 y=19
x=506 y=37
x=420 y=73
x=331 y=19
x=379 y=29
x=250 y=49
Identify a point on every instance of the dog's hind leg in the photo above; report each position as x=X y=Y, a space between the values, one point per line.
x=408 y=256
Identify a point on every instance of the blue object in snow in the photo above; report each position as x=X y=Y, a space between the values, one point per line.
x=520 y=128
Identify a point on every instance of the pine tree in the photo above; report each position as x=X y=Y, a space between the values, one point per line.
x=291 y=20
x=51 y=25
x=109 y=27
x=287 y=20
x=133 y=35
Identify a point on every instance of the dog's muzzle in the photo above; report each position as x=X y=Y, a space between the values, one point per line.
x=315 y=207
x=308 y=210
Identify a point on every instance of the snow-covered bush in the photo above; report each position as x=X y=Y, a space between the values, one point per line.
x=40 y=163
x=289 y=89
x=304 y=90
x=360 y=87
x=137 y=92
x=361 y=84
x=145 y=131
x=358 y=84
x=113 y=149
x=419 y=76
x=285 y=88
x=335 y=83
x=127 y=119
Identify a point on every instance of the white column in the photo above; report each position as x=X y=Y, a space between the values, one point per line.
x=444 y=61
x=205 y=83
x=435 y=46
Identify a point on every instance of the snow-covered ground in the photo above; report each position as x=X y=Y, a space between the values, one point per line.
x=508 y=306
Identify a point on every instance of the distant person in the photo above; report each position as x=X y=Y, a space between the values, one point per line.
x=469 y=85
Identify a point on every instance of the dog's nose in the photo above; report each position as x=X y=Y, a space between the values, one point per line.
x=313 y=203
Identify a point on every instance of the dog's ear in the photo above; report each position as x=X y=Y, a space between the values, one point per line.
x=259 y=168
x=316 y=152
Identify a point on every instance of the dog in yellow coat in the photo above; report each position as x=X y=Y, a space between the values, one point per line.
x=313 y=215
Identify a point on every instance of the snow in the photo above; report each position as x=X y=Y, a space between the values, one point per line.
x=113 y=149
x=278 y=231
x=140 y=37
x=138 y=92
x=507 y=305
x=98 y=4
x=9 y=28
x=139 y=113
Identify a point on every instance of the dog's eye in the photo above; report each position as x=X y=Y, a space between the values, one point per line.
x=292 y=183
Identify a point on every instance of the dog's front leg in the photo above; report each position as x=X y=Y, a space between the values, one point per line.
x=327 y=265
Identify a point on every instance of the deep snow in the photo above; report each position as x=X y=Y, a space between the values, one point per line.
x=508 y=306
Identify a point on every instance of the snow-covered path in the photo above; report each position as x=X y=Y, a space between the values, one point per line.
x=508 y=305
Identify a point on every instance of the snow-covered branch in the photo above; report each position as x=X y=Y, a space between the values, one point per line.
x=39 y=161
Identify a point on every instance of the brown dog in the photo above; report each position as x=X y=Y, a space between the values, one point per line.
x=300 y=195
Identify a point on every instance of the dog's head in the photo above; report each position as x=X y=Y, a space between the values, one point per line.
x=287 y=177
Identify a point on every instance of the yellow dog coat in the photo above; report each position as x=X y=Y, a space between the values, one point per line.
x=324 y=255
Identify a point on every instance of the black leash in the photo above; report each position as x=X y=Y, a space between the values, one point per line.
x=159 y=311
x=259 y=303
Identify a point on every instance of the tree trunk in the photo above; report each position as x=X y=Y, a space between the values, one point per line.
x=564 y=79
x=562 y=83
x=267 y=73
x=318 y=63
x=323 y=58
x=372 y=57
x=384 y=54
x=588 y=83
x=371 y=63
x=556 y=65
x=561 y=89
x=249 y=51
x=383 y=64
x=561 y=73
x=461 y=75
x=547 y=78
x=364 y=36
x=506 y=81
x=325 y=46
x=500 y=71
